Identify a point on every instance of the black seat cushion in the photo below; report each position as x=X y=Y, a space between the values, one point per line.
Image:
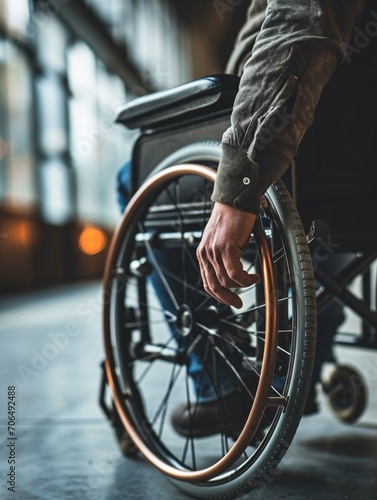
x=160 y=107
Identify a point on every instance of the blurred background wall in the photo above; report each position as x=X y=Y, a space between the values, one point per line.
x=65 y=68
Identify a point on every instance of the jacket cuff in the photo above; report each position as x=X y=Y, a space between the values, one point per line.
x=241 y=182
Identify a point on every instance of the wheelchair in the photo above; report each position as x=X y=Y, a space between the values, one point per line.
x=265 y=350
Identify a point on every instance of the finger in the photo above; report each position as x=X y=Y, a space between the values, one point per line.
x=222 y=274
x=232 y=268
x=209 y=287
x=217 y=291
x=216 y=284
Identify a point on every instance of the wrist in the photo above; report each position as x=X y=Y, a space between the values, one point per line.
x=232 y=212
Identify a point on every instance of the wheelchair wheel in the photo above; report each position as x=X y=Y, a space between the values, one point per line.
x=346 y=394
x=263 y=352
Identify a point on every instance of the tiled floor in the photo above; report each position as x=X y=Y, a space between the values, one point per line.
x=66 y=450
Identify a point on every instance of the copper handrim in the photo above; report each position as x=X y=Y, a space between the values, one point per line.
x=263 y=390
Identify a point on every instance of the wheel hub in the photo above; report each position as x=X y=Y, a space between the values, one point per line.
x=185 y=320
x=207 y=316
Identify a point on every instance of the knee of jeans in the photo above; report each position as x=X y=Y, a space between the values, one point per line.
x=123 y=185
x=195 y=365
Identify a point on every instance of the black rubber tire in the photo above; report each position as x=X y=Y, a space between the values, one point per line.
x=346 y=393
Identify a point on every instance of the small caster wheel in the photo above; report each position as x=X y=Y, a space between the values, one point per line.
x=346 y=393
x=125 y=443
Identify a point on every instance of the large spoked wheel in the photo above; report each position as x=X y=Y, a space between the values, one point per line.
x=167 y=343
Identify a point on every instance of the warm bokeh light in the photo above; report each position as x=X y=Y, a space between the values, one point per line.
x=25 y=233
x=21 y=233
x=92 y=240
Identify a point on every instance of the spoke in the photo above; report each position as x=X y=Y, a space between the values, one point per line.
x=198 y=394
x=159 y=271
x=236 y=348
x=183 y=241
x=172 y=381
x=189 y=407
x=168 y=313
x=202 y=304
x=255 y=308
x=277 y=392
x=276 y=257
x=214 y=385
x=215 y=334
x=241 y=380
x=165 y=406
x=135 y=324
x=284 y=299
x=251 y=309
x=204 y=361
x=178 y=280
x=165 y=399
x=206 y=371
x=255 y=333
x=224 y=442
x=257 y=372
x=198 y=338
x=172 y=316
x=238 y=376
x=252 y=366
x=152 y=358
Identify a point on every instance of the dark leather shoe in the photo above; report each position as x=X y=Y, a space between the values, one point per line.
x=226 y=415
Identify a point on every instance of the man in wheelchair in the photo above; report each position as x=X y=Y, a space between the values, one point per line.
x=286 y=54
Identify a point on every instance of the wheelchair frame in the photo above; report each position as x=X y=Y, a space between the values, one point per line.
x=170 y=126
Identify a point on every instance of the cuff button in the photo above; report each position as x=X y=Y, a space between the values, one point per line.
x=246 y=181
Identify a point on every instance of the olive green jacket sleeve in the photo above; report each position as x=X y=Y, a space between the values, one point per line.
x=286 y=52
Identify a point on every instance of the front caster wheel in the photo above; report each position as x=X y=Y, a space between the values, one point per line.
x=346 y=394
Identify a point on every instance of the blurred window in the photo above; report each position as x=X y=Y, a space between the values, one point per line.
x=97 y=146
x=51 y=44
x=51 y=118
x=15 y=15
x=17 y=183
x=57 y=185
x=56 y=182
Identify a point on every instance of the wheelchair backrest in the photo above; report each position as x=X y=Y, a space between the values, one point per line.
x=337 y=160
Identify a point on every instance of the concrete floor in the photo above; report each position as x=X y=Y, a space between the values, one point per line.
x=66 y=450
